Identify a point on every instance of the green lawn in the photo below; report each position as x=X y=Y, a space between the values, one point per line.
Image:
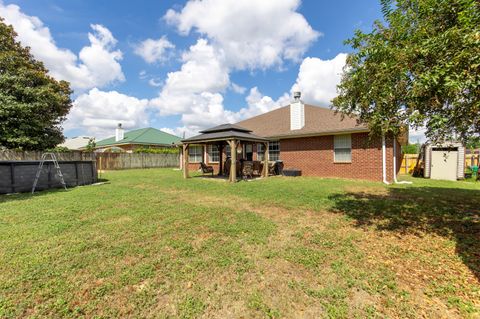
x=151 y=244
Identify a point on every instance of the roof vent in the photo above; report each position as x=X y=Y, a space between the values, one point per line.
x=297 y=112
x=119 y=133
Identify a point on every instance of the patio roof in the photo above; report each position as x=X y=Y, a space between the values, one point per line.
x=229 y=134
x=224 y=132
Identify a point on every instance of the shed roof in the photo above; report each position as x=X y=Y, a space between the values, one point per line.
x=144 y=136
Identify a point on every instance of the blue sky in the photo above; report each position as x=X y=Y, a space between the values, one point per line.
x=185 y=65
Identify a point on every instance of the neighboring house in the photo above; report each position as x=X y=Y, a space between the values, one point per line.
x=76 y=143
x=142 y=138
x=315 y=140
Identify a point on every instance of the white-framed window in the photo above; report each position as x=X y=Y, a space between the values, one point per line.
x=342 y=148
x=228 y=151
x=274 y=151
x=249 y=152
x=195 y=153
x=260 y=152
x=213 y=154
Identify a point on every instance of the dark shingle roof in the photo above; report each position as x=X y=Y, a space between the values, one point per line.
x=226 y=127
x=318 y=120
x=144 y=136
x=224 y=132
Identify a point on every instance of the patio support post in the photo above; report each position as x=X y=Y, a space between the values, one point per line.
x=220 y=163
x=233 y=167
x=180 y=158
x=185 y=160
x=265 y=159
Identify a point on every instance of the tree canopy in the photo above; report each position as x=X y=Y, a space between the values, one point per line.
x=32 y=103
x=418 y=67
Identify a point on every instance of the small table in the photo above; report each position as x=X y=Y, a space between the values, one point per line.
x=292 y=172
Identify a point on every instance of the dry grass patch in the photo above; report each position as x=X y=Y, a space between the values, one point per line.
x=150 y=244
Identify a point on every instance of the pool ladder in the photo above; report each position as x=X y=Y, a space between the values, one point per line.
x=53 y=158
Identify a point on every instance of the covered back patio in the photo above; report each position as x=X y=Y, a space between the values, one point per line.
x=220 y=137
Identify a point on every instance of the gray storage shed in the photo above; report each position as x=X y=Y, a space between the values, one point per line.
x=445 y=161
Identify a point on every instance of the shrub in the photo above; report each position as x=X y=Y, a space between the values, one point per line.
x=164 y=150
x=411 y=148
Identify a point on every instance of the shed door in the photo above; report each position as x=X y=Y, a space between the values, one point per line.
x=444 y=164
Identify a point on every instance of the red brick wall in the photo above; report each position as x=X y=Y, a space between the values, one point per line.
x=192 y=167
x=315 y=157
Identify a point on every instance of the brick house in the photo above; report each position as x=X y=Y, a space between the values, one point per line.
x=141 y=138
x=313 y=139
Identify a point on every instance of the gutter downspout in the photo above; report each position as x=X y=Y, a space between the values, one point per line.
x=384 y=161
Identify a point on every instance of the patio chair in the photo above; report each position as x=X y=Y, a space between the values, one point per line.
x=226 y=166
x=206 y=169
x=257 y=168
x=247 y=169
x=238 y=167
x=271 y=169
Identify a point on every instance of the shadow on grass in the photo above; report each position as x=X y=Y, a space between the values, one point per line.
x=444 y=211
x=41 y=192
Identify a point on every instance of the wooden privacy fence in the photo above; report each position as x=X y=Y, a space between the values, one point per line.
x=108 y=161
x=472 y=160
x=408 y=163
x=410 y=160
x=105 y=161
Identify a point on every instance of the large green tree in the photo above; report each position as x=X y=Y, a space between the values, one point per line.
x=419 y=66
x=32 y=103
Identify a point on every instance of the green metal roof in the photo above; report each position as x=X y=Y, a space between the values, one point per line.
x=145 y=136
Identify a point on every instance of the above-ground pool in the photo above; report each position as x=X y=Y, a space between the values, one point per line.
x=18 y=176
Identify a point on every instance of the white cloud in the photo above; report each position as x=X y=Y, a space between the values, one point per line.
x=100 y=59
x=169 y=130
x=202 y=71
x=153 y=51
x=317 y=79
x=95 y=66
x=253 y=34
x=155 y=82
x=238 y=88
x=195 y=92
x=98 y=112
x=152 y=80
x=236 y=35
x=207 y=111
x=257 y=103
x=417 y=135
